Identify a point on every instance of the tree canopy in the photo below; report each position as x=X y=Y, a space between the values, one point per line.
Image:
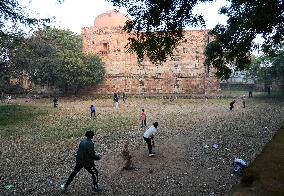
x=12 y=15
x=232 y=43
x=268 y=69
x=54 y=57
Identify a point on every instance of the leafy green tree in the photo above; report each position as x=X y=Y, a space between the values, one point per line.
x=268 y=69
x=7 y=68
x=54 y=57
x=13 y=18
x=232 y=42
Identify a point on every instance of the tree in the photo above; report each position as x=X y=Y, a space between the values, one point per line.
x=54 y=57
x=13 y=14
x=232 y=43
x=7 y=69
x=268 y=69
x=13 y=18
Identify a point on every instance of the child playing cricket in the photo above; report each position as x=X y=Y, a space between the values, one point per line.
x=143 y=118
x=93 y=111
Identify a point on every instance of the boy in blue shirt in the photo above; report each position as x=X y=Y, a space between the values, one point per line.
x=93 y=111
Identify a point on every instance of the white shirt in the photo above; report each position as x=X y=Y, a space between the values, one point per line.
x=241 y=161
x=149 y=132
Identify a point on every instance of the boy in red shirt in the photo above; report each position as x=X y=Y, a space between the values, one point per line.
x=143 y=118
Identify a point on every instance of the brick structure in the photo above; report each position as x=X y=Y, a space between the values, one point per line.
x=184 y=74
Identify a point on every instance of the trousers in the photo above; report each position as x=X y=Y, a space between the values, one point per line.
x=92 y=170
x=149 y=142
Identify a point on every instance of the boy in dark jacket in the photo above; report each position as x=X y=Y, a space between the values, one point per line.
x=85 y=159
x=232 y=104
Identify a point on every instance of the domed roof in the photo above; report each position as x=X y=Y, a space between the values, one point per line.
x=112 y=18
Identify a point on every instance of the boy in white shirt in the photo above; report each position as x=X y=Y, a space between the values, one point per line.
x=149 y=135
x=9 y=99
x=239 y=165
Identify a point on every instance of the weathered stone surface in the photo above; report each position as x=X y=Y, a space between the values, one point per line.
x=184 y=73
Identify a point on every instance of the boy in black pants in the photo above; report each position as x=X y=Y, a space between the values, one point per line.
x=85 y=159
x=149 y=136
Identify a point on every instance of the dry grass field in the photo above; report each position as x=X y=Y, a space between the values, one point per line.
x=38 y=144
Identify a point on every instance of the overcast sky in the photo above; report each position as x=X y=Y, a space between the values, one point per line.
x=75 y=14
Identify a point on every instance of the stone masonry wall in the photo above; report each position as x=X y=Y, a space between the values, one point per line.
x=184 y=74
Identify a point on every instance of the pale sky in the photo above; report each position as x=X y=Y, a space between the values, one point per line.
x=75 y=14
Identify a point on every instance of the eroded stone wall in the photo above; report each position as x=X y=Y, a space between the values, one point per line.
x=184 y=74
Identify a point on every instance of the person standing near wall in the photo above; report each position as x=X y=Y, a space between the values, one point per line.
x=250 y=91
x=9 y=99
x=55 y=102
x=123 y=97
x=243 y=98
x=115 y=99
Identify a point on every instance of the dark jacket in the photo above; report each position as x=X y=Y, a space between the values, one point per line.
x=86 y=153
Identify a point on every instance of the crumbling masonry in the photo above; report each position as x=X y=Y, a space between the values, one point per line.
x=186 y=73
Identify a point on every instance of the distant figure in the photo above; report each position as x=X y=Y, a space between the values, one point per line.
x=239 y=165
x=126 y=156
x=149 y=136
x=232 y=104
x=250 y=91
x=115 y=99
x=243 y=98
x=93 y=111
x=55 y=102
x=85 y=159
x=143 y=118
x=123 y=97
x=9 y=99
x=268 y=90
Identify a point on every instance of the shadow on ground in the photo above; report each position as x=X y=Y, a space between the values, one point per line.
x=265 y=175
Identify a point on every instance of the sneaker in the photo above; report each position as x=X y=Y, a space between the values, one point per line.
x=97 y=190
x=150 y=155
x=63 y=187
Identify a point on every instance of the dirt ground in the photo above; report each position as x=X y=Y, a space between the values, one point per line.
x=185 y=161
x=265 y=175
